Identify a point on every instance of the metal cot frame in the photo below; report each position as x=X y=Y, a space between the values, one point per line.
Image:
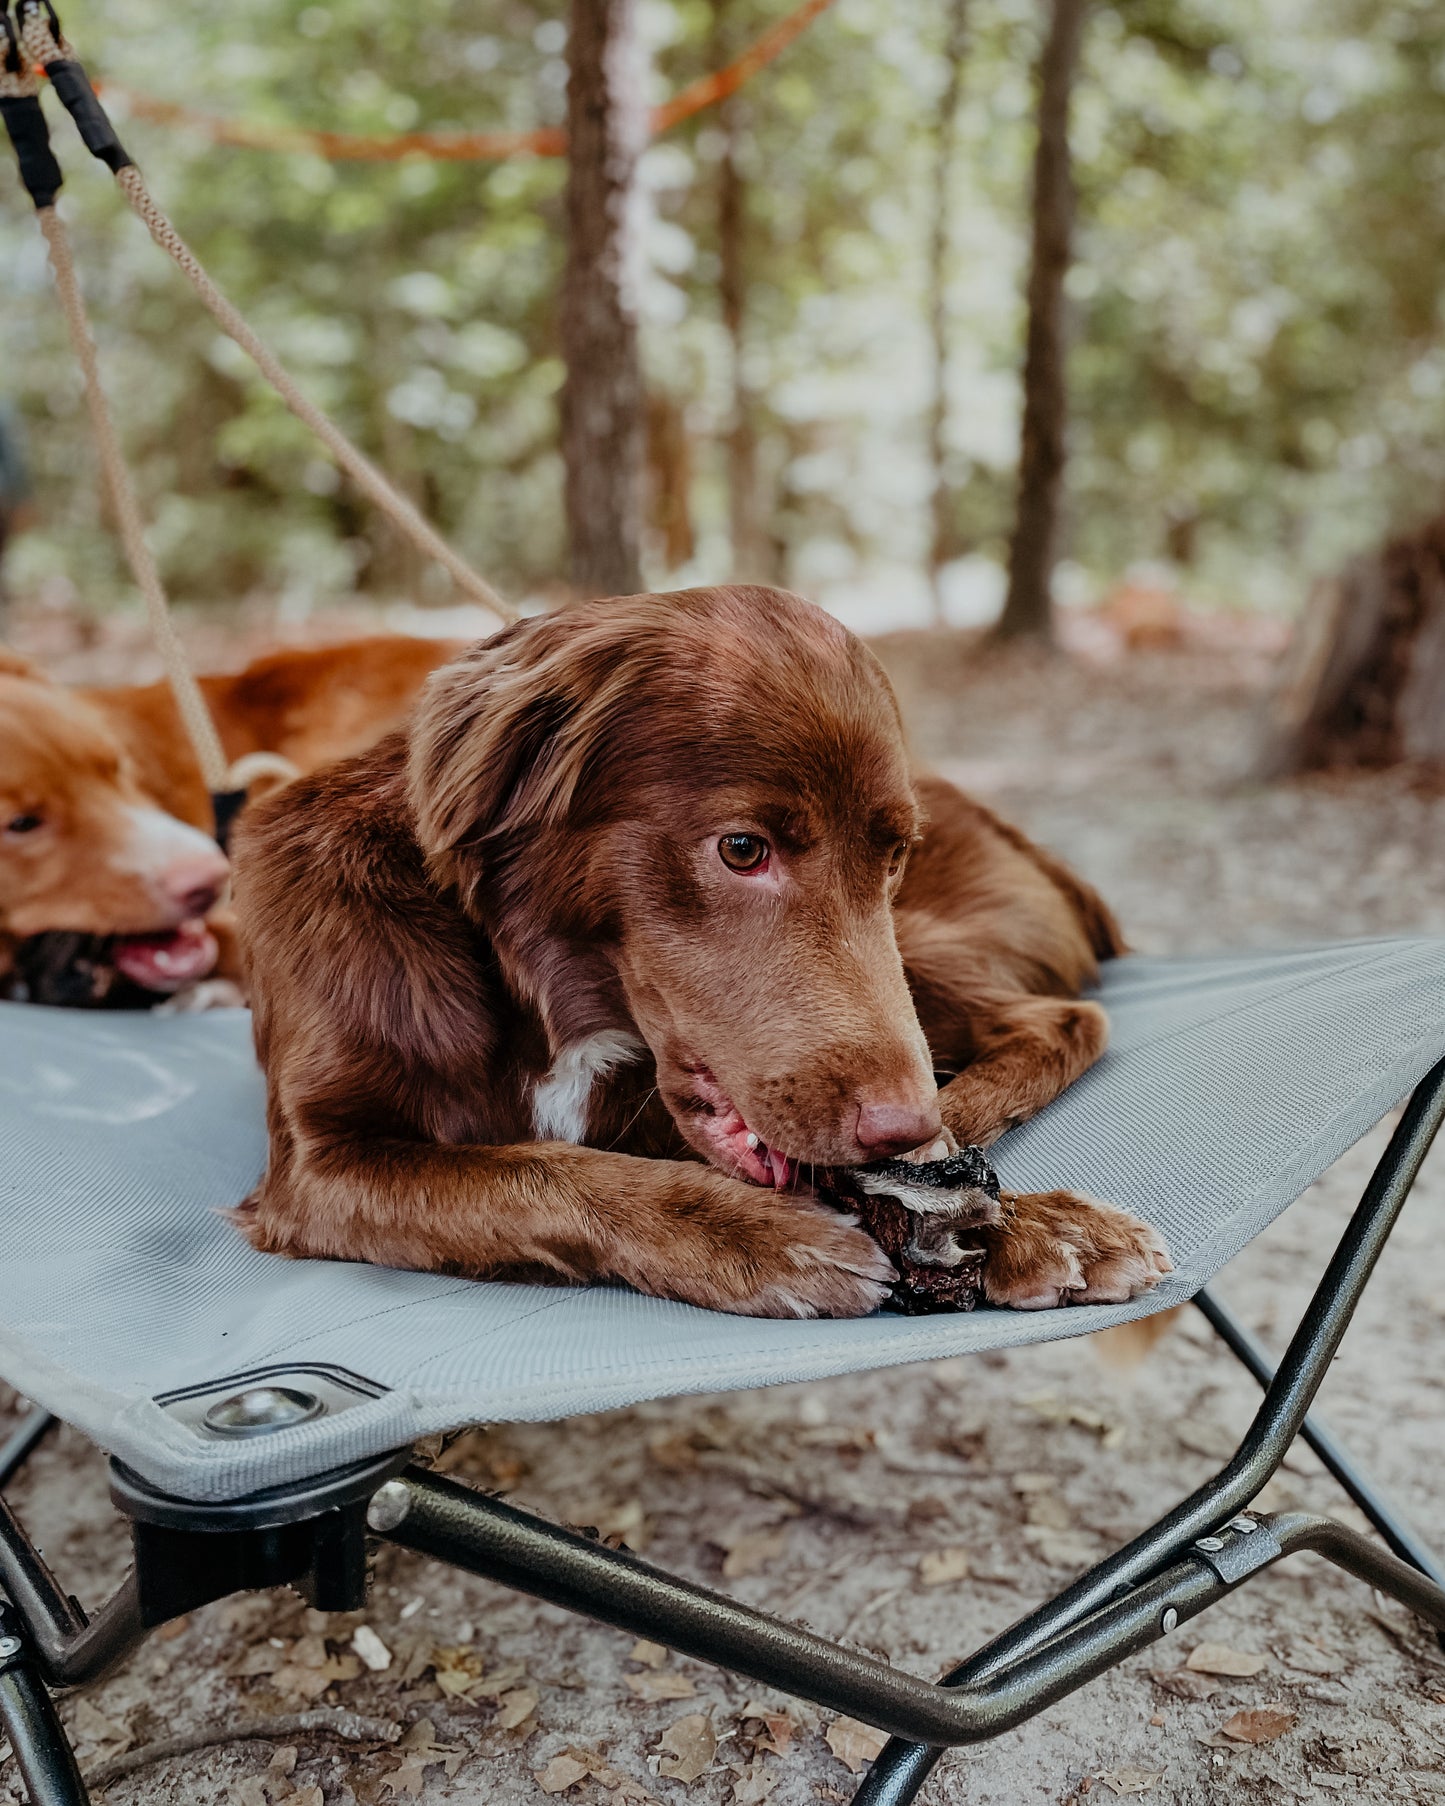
x=313 y=1536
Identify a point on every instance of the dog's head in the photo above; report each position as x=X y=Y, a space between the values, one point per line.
x=685 y=817
x=83 y=850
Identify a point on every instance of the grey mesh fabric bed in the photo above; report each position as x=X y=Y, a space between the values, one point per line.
x=130 y=1308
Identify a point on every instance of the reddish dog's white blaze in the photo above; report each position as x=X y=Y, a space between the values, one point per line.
x=184 y=870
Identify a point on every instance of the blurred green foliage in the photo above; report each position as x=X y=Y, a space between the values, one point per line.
x=1258 y=372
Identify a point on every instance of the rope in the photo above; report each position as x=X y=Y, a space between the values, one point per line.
x=403 y=513
x=189 y=700
x=471 y=147
x=42 y=47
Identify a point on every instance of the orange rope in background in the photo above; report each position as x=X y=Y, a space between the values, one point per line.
x=470 y=147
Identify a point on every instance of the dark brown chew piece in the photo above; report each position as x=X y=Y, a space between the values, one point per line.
x=73 y=971
x=919 y=1213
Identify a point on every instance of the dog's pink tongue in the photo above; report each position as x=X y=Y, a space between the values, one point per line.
x=165 y=962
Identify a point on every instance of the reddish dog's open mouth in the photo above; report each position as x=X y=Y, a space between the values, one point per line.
x=730 y=1143
x=165 y=961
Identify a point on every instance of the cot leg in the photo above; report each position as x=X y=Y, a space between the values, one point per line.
x=903 y=1767
x=29 y=1719
x=22 y=1442
x=1396 y=1532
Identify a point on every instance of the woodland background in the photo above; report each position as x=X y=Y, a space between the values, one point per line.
x=1256 y=373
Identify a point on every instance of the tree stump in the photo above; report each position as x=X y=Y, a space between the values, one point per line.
x=1364 y=681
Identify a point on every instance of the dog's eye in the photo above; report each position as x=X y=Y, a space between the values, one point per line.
x=896 y=858
x=22 y=824
x=743 y=852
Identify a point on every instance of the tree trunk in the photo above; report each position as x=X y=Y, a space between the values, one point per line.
x=1364 y=683
x=942 y=539
x=1028 y=608
x=602 y=400
x=749 y=560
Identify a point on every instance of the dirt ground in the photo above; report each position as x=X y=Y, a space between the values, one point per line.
x=916 y=1511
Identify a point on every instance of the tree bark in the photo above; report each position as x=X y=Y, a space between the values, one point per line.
x=1028 y=607
x=942 y=535
x=603 y=434
x=749 y=560
x=1364 y=683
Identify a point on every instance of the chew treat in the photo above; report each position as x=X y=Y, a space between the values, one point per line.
x=73 y=971
x=920 y=1213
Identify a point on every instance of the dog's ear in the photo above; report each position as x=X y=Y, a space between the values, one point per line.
x=15 y=664
x=502 y=737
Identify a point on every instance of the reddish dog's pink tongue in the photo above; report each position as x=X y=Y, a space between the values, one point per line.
x=165 y=962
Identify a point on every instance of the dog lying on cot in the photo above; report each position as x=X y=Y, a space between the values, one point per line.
x=105 y=820
x=641 y=922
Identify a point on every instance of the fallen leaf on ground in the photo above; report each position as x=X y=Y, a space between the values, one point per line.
x=781 y=1728
x=514 y=1709
x=89 y=1722
x=753 y=1787
x=688 y=1746
x=941 y=1567
x=457 y=1669
x=371 y=1649
x=421 y=1740
x=1184 y=1684
x=497 y=1681
x=666 y=1685
x=298 y=1681
x=1209 y=1439
x=1259 y=1724
x=306 y=1796
x=751 y=1553
x=1219 y=1658
x=651 y=1655
x=854 y=1744
x=1132 y=1780
x=563 y=1771
x=1061 y=1548
x=1309 y=1658
x=574 y=1764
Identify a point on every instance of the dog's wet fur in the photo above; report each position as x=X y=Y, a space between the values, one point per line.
x=521 y=1017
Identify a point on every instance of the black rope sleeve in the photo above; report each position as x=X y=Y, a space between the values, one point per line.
x=72 y=84
x=30 y=135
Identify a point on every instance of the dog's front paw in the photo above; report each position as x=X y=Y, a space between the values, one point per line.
x=1056 y=1248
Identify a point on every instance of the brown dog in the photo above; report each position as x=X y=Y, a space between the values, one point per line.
x=105 y=819
x=651 y=877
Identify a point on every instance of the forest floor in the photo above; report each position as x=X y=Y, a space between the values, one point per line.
x=914 y=1511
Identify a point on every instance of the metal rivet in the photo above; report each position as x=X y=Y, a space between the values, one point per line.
x=1245 y=1526
x=261 y=1409
x=1170 y=1621
x=1211 y=1543
x=389 y=1504
x=9 y=1646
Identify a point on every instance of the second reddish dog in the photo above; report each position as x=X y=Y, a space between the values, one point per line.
x=644 y=917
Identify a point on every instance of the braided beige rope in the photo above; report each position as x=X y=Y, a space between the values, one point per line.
x=362 y=471
x=192 y=705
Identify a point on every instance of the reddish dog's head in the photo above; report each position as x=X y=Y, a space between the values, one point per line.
x=684 y=817
x=82 y=849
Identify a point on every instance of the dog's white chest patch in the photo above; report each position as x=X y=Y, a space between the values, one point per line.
x=561 y=1101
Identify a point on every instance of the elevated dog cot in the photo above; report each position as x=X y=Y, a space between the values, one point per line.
x=259 y=1413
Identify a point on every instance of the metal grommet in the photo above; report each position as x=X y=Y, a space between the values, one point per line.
x=1245 y=1526
x=9 y=1646
x=1170 y=1621
x=388 y=1505
x=1211 y=1543
x=261 y=1409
